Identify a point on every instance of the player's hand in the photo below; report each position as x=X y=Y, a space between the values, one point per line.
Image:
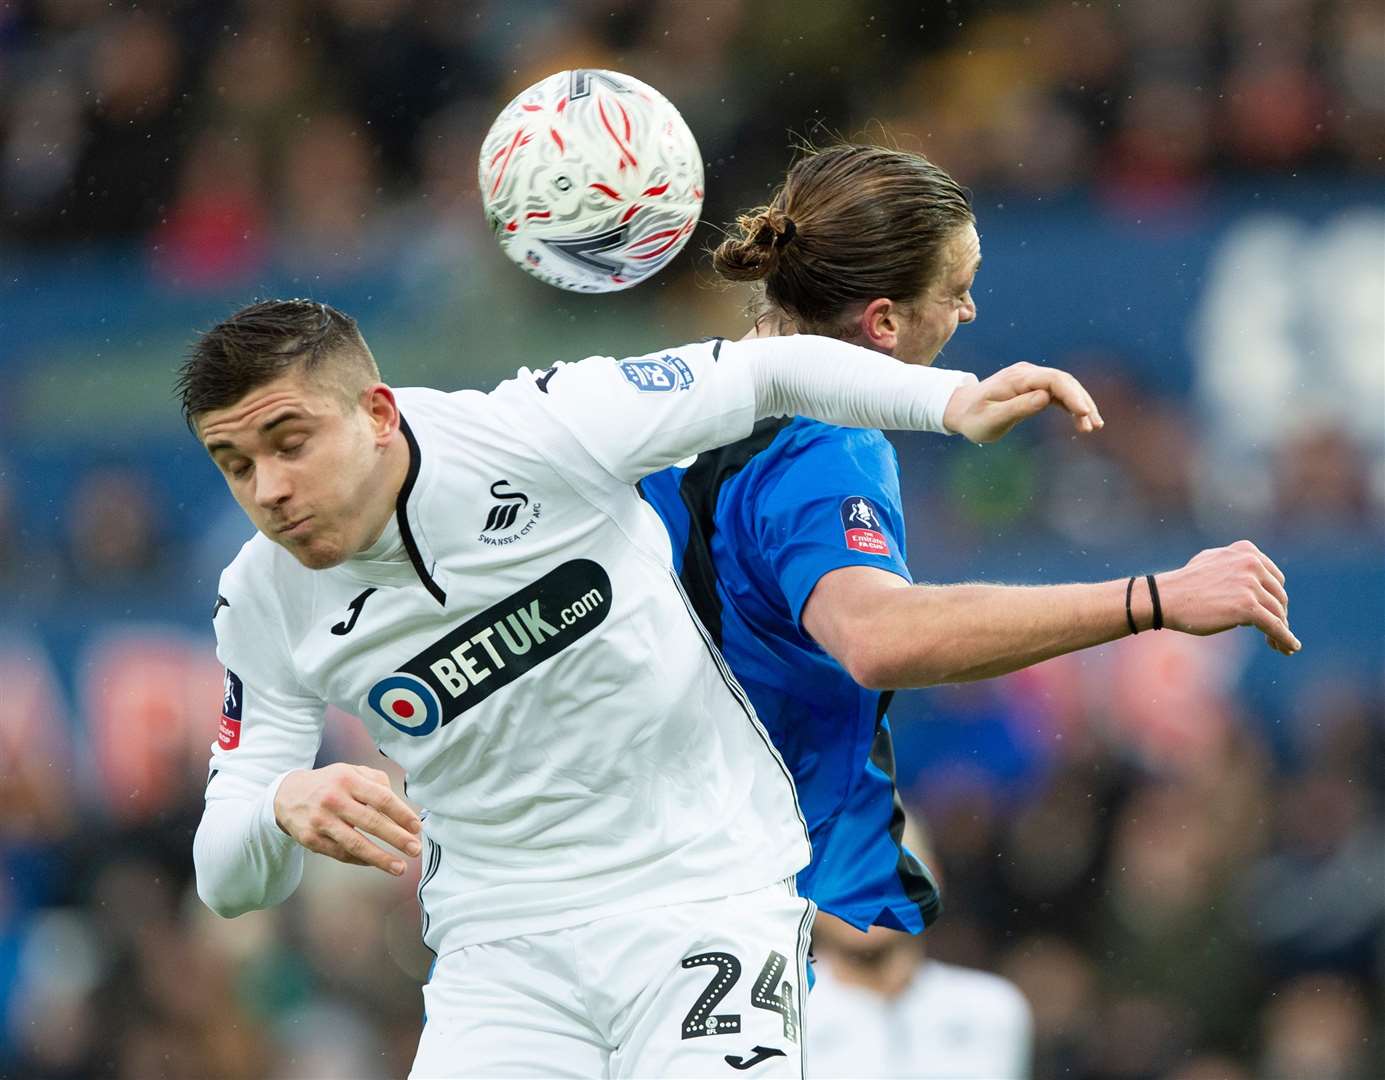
x=985 y=411
x=1224 y=587
x=334 y=810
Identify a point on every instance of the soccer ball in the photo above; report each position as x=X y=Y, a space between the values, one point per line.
x=591 y=180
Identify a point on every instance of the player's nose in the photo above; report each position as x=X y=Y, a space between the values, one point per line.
x=271 y=486
x=968 y=312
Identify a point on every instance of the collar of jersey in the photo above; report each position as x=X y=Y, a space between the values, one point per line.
x=421 y=564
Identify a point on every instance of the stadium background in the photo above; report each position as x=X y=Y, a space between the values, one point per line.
x=1174 y=846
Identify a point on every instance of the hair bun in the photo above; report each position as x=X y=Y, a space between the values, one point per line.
x=755 y=253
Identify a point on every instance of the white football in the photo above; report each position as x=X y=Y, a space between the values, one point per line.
x=591 y=180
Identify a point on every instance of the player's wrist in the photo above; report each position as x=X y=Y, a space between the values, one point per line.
x=273 y=810
x=958 y=402
x=1143 y=604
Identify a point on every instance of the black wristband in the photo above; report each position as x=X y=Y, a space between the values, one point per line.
x=1154 y=599
x=1129 y=615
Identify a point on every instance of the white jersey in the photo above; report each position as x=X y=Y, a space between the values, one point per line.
x=949 y=1023
x=578 y=745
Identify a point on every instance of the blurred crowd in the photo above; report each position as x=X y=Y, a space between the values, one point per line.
x=1184 y=882
x=229 y=132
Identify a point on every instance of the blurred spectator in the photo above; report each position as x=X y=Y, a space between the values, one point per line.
x=1320 y=478
x=113 y=526
x=1355 y=55
x=1319 y=1026
x=1060 y=981
x=262 y=81
x=1169 y=925
x=1329 y=847
x=1118 y=487
x=401 y=70
x=215 y=233
x=331 y=186
x=42 y=152
x=37 y=774
x=1158 y=158
x=884 y=1007
x=150 y=702
x=122 y=178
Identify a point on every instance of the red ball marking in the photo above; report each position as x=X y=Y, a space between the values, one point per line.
x=402 y=708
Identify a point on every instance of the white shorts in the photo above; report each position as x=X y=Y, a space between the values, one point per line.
x=713 y=988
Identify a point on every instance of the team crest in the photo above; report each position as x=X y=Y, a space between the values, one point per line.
x=511 y=517
x=864 y=528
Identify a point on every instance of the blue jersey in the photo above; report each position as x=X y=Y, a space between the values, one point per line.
x=754 y=526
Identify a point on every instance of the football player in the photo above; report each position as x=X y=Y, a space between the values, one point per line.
x=609 y=839
x=790 y=543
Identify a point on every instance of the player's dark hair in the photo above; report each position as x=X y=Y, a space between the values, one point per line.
x=265 y=340
x=850 y=223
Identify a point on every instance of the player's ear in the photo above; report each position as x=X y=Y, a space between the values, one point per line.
x=382 y=411
x=880 y=324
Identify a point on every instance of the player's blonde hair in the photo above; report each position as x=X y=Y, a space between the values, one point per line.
x=849 y=224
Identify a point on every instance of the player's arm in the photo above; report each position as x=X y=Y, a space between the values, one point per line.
x=889 y=634
x=243 y=860
x=637 y=416
x=264 y=801
x=249 y=847
x=845 y=384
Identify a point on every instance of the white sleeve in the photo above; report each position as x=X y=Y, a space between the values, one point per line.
x=844 y=384
x=639 y=415
x=270 y=726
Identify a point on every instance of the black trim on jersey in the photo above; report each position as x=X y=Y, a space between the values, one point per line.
x=700 y=491
x=401 y=512
x=716 y=349
x=429 y=872
x=804 y=943
x=914 y=877
x=744 y=701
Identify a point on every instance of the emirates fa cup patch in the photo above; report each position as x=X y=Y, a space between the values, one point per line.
x=232 y=695
x=865 y=531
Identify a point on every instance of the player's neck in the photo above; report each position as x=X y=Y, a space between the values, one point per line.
x=391 y=470
x=771 y=325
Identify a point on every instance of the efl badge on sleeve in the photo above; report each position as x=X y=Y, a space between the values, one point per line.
x=661 y=376
x=232 y=698
x=864 y=527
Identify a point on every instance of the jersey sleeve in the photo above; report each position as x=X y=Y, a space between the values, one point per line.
x=836 y=503
x=638 y=415
x=269 y=726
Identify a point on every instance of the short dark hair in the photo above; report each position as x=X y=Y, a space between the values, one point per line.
x=867 y=221
x=265 y=340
